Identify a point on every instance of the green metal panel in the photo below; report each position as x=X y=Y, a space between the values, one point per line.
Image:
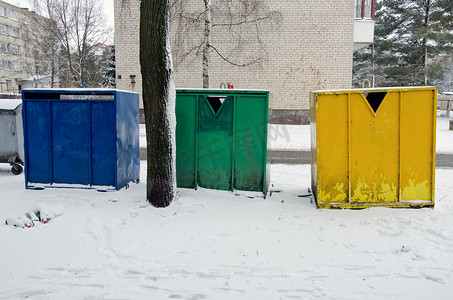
x=221 y=139
x=251 y=126
x=215 y=145
x=186 y=136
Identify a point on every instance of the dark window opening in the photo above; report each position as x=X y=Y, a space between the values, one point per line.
x=216 y=102
x=375 y=99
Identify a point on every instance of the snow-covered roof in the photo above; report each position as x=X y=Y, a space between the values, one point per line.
x=78 y=90
x=10 y=104
x=375 y=89
x=33 y=78
x=221 y=90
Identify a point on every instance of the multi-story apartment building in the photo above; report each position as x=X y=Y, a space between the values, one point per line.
x=23 y=36
x=310 y=47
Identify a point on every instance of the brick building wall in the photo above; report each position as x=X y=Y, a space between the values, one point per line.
x=310 y=47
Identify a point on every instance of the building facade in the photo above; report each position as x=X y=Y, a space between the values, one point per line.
x=305 y=45
x=22 y=36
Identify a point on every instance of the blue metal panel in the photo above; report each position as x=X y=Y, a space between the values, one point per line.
x=37 y=142
x=72 y=136
x=70 y=142
x=127 y=139
x=103 y=143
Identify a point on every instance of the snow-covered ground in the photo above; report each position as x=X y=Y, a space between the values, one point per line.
x=215 y=245
x=444 y=136
x=297 y=137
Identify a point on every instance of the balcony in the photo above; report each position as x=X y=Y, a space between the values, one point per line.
x=364 y=23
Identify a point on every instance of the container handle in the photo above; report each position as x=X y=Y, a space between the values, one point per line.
x=369 y=83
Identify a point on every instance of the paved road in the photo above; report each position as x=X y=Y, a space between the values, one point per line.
x=304 y=157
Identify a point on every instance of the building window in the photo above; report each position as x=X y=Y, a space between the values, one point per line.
x=25 y=36
x=3 y=29
x=2 y=11
x=13 y=31
x=17 y=66
x=6 y=64
x=4 y=47
x=364 y=9
x=27 y=51
x=27 y=68
x=13 y=15
x=15 y=49
x=24 y=19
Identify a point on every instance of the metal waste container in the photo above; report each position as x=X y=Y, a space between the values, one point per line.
x=81 y=136
x=221 y=139
x=11 y=134
x=373 y=147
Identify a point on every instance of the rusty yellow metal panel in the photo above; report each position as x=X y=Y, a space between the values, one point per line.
x=373 y=147
x=332 y=147
x=418 y=146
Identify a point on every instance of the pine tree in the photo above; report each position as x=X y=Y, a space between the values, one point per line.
x=108 y=69
x=441 y=29
x=410 y=36
x=363 y=67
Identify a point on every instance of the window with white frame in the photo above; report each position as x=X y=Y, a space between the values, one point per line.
x=24 y=19
x=13 y=31
x=27 y=51
x=15 y=49
x=3 y=29
x=4 y=47
x=17 y=66
x=6 y=64
x=27 y=68
x=25 y=36
x=13 y=15
x=2 y=11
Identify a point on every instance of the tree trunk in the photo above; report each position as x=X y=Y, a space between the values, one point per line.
x=206 y=42
x=158 y=101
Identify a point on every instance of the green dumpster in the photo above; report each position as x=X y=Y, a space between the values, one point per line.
x=221 y=139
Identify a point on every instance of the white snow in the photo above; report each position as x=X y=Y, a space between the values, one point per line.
x=297 y=137
x=215 y=245
x=444 y=136
x=218 y=245
x=289 y=137
x=10 y=104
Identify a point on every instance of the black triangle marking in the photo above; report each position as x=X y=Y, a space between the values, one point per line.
x=215 y=102
x=375 y=99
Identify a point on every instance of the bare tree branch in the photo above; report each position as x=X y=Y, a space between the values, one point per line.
x=238 y=22
x=236 y=64
x=241 y=22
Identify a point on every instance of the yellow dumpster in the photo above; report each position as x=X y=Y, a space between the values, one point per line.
x=373 y=147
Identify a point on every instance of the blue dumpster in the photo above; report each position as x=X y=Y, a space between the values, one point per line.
x=81 y=136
